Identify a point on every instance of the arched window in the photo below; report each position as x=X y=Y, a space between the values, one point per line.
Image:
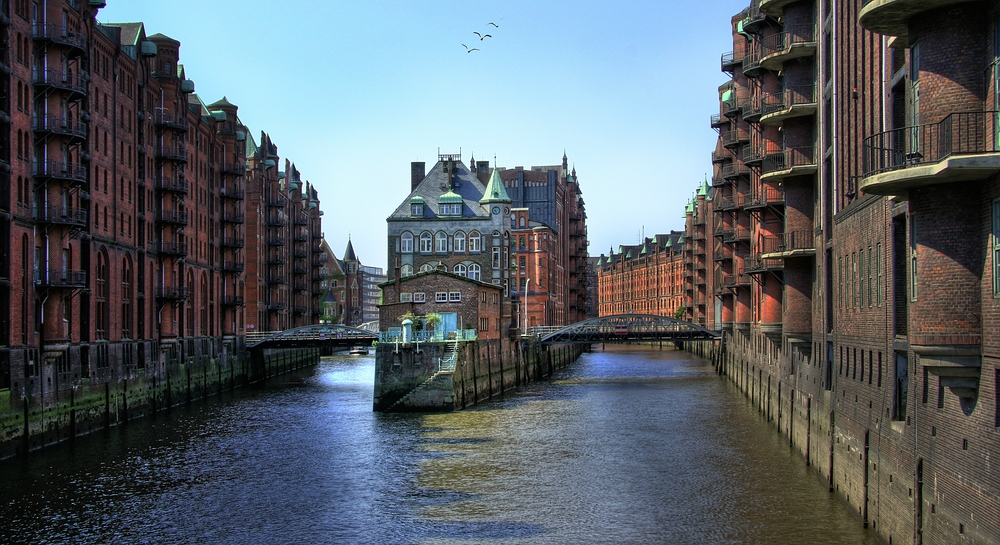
x=405 y=270
x=426 y=267
x=475 y=272
x=520 y=221
x=190 y=304
x=459 y=242
x=406 y=243
x=103 y=315
x=520 y=242
x=460 y=270
x=441 y=242
x=475 y=242
x=127 y=298
x=425 y=242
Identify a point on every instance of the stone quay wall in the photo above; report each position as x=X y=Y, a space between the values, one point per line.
x=410 y=377
x=41 y=418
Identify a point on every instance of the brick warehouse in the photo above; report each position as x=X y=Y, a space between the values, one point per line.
x=125 y=238
x=856 y=208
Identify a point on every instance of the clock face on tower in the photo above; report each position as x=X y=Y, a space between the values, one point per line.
x=496 y=209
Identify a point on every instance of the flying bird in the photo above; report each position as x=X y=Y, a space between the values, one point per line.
x=467 y=50
x=482 y=36
x=494 y=24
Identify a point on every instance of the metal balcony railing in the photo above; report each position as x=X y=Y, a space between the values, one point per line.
x=171 y=121
x=785 y=242
x=766 y=196
x=62 y=215
x=175 y=217
x=60 y=125
x=232 y=266
x=231 y=216
x=233 y=301
x=172 y=153
x=173 y=248
x=232 y=242
x=783 y=41
x=960 y=133
x=58 y=170
x=61 y=278
x=799 y=95
x=72 y=82
x=236 y=193
x=238 y=168
x=60 y=35
x=171 y=292
x=176 y=185
x=788 y=159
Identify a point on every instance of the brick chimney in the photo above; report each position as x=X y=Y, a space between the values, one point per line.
x=483 y=171
x=417 y=174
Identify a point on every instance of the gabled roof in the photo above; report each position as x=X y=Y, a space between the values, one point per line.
x=163 y=38
x=436 y=184
x=420 y=275
x=129 y=33
x=221 y=104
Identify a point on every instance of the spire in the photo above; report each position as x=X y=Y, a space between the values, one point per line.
x=495 y=191
x=349 y=252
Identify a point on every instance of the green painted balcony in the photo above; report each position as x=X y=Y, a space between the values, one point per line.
x=964 y=146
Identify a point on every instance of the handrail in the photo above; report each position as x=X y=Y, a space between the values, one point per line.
x=959 y=133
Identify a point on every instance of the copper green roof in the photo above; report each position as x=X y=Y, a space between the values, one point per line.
x=495 y=190
x=449 y=198
x=416 y=199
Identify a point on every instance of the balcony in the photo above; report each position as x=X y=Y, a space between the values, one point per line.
x=735 y=280
x=766 y=196
x=733 y=137
x=278 y=201
x=299 y=253
x=961 y=147
x=721 y=156
x=756 y=264
x=232 y=242
x=61 y=279
x=72 y=173
x=796 y=42
x=174 y=185
x=300 y=220
x=275 y=241
x=774 y=8
x=724 y=253
x=173 y=293
x=178 y=249
x=61 y=215
x=738 y=234
x=232 y=301
x=238 y=168
x=234 y=193
x=735 y=169
x=60 y=125
x=276 y=306
x=165 y=119
x=172 y=153
x=892 y=17
x=232 y=266
x=300 y=286
x=299 y=310
x=722 y=203
x=231 y=216
x=277 y=220
x=788 y=245
x=75 y=42
x=276 y=279
x=275 y=260
x=753 y=155
x=717 y=121
x=73 y=84
x=731 y=60
x=751 y=62
x=797 y=101
x=777 y=167
x=754 y=19
x=754 y=109
x=173 y=217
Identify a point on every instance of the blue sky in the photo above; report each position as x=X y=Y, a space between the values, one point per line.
x=352 y=92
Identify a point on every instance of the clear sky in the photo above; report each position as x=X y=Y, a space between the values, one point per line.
x=353 y=91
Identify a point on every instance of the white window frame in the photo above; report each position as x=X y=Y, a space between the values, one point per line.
x=460 y=270
x=405 y=270
x=475 y=242
x=426 y=242
x=405 y=297
x=475 y=272
x=454 y=297
x=406 y=243
x=459 y=242
x=419 y=297
x=440 y=297
x=441 y=242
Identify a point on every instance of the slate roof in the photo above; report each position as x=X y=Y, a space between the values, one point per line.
x=435 y=184
x=349 y=252
x=129 y=32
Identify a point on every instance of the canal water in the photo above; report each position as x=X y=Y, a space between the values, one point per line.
x=628 y=445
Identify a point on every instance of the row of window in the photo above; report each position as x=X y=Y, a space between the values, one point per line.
x=861 y=278
x=439 y=297
x=439 y=242
x=472 y=271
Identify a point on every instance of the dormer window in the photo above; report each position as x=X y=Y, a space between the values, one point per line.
x=417 y=207
x=450 y=204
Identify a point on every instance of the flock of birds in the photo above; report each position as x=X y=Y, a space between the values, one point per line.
x=481 y=38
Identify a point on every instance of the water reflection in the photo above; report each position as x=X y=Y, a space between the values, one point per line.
x=626 y=446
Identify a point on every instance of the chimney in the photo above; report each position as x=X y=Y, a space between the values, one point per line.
x=416 y=174
x=483 y=171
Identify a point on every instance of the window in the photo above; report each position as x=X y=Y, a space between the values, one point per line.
x=426 y=267
x=405 y=297
x=878 y=267
x=913 y=263
x=405 y=270
x=417 y=209
x=520 y=243
x=521 y=263
x=425 y=242
x=440 y=297
x=441 y=242
x=484 y=324
x=450 y=209
x=496 y=257
x=459 y=243
x=460 y=270
x=454 y=297
x=475 y=242
x=474 y=272
x=419 y=297
x=406 y=243
x=996 y=246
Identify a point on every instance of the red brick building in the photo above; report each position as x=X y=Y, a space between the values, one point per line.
x=462 y=303
x=124 y=235
x=645 y=278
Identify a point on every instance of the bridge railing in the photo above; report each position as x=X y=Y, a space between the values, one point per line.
x=395 y=336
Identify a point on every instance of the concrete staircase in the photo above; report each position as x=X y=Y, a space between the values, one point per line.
x=446 y=367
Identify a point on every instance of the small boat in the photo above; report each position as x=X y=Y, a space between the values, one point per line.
x=358 y=351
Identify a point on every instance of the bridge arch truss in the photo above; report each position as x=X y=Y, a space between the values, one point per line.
x=337 y=335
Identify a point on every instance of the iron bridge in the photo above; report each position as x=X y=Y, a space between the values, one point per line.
x=630 y=328
x=334 y=335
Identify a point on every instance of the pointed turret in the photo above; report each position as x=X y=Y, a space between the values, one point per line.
x=349 y=252
x=495 y=191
